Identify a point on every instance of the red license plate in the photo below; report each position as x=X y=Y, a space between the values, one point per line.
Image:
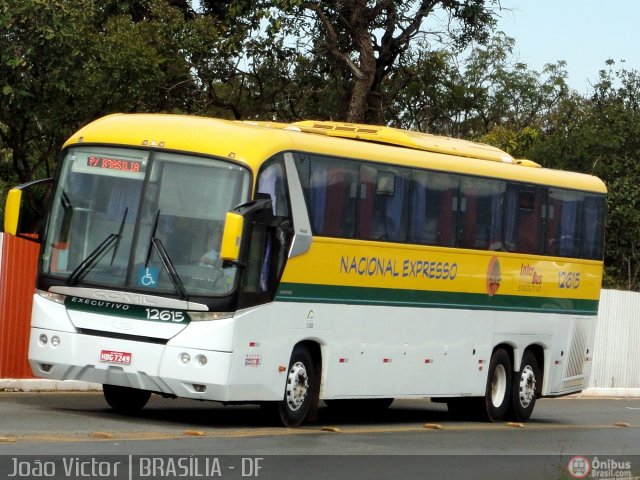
x=121 y=358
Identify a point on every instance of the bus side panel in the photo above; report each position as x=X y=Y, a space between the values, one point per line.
x=407 y=352
x=366 y=351
x=389 y=352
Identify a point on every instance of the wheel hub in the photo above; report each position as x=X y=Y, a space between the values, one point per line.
x=527 y=386
x=297 y=386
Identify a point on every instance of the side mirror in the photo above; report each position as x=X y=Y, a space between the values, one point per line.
x=232 y=237
x=19 y=217
x=236 y=225
x=12 y=211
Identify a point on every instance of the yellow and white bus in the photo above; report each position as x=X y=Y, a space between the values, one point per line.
x=288 y=264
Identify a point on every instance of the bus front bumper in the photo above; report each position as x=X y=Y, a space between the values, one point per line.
x=159 y=368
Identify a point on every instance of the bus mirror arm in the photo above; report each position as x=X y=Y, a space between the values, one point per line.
x=237 y=226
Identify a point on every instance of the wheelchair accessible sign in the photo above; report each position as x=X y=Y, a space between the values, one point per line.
x=148 y=277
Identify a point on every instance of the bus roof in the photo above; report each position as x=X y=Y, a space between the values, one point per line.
x=251 y=143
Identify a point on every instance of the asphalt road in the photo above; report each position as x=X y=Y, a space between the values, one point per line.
x=412 y=439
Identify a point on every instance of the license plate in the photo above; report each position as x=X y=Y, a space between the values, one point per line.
x=121 y=358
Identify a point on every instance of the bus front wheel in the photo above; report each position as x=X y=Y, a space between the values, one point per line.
x=498 y=393
x=300 y=389
x=125 y=399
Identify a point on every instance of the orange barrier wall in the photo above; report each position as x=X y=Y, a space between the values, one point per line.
x=17 y=282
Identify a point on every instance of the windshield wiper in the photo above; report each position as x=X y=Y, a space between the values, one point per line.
x=94 y=257
x=89 y=262
x=115 y=248
x=156 y=243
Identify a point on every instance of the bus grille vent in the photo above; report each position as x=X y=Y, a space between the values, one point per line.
x=576 y=360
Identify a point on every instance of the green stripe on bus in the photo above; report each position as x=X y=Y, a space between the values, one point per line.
x=125 y=310
x=298 y=292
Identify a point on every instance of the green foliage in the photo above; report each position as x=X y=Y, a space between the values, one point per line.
x=357 y=46
x=512 y=141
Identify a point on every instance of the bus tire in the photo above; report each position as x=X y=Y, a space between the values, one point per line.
x=524 y=390
x=125 y=399
x=497 y=398
x=299 y=389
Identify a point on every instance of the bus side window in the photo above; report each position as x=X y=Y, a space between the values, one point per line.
x=272 y=182
x=340 y=196
x=434 y=208
x=594 y=207
x=481 y=213
x=383 y=207
x=366 y=203
x=330 y=187
x=524 y=220
x=564 y=231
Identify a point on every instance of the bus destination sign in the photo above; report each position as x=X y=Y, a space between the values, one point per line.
x=134 y=166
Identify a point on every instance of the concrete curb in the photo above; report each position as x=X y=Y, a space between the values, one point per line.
x=39 y=385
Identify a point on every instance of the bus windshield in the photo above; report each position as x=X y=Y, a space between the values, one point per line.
x=141 y=220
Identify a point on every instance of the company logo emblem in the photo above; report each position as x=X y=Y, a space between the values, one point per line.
x=494 y=276
x=121 y=325
x=123 y=297
x=579 y=467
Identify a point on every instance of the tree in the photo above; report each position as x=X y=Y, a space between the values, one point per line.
x=361 y=43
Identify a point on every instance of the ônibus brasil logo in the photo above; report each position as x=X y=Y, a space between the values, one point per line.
x=579 y=467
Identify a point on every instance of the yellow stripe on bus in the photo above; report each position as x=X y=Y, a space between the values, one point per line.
x=341 y=262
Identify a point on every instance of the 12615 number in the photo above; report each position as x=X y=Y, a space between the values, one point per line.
x=569 y=280
x=165 y=315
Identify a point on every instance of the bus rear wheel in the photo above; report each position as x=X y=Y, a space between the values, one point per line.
x=524 y=391
x=125 y=399
x=497 y=398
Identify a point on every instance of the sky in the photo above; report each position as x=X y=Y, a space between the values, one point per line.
x=584 y=33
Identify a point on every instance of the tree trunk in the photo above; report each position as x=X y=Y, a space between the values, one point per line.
x=359 y=102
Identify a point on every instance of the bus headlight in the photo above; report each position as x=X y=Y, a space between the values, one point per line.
x=54 y=297
x=204 y=316
x=185 y=358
